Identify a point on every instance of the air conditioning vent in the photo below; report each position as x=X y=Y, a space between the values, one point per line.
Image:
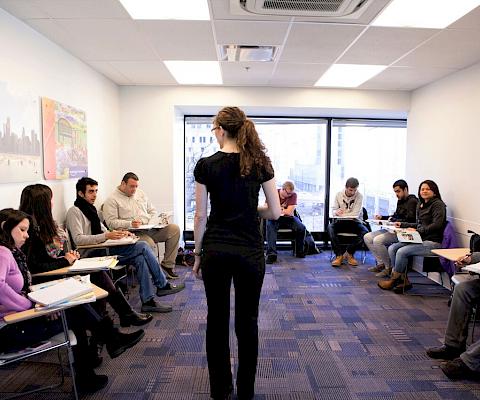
x=307 y=8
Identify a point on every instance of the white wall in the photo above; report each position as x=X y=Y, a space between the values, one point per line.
x=151 y=124
x=444 y=142
x=31 y=61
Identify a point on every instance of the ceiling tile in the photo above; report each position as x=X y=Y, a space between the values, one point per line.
x=293 y=74
x=405 y=78
x=469 y=21
x=449 y=49
x=250 y=33
x=79 y=9
x=145 y=72
x=318 y=43
x=105 y=68
x=107 y=40
x=23 y=9
x=382 y=46
x=180 y=40
x=245 y=73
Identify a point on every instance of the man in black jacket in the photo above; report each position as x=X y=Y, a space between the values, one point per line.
x=378 y=241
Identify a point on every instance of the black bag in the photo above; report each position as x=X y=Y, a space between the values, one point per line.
x=474 y=242
x=185 y=257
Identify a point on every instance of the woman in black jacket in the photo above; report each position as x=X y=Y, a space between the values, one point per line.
x=431 y=222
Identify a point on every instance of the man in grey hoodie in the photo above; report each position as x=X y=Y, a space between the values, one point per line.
x=347 y=213
x=462 y=364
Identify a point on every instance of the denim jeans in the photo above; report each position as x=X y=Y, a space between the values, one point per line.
x=141 y=256
x=292 y=223
x=399 y=253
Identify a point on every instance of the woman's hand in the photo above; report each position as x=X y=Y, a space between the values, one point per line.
x=53 y=316
x=196 y=267
x=72 y=256
x=115 y=235
x=464 y=260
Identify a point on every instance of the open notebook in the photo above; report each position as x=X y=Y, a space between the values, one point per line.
x=51 y=295
x=94 y=264
x=409 y=236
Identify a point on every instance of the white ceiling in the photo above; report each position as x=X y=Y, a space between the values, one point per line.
x=102 y=34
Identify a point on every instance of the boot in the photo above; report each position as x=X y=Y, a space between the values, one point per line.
x=403 y=287
x=85 y=378
x=385 y=273
x=394 y=280
x=128 y=316
x=351 y=260
x=338 y=261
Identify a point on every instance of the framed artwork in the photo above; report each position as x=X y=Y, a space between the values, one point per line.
x=20 y=149
x=64 y=141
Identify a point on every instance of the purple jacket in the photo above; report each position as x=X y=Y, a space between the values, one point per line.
x=449 y=242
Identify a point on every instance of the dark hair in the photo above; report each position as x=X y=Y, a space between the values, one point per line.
x=36 y=200
x=252 y=150
x=129 y=175
x=352 y=183
x=9 y=219
x=82 y=184
x=433 y=187
x=401 y=183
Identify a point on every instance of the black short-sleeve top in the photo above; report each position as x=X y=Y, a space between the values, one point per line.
x=233 y=218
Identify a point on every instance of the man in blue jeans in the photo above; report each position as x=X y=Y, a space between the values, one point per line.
x=288 y=201
x=462 y=363
x=85 y=228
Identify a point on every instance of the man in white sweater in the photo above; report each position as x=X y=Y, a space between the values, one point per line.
x=128 y=207
x=347 y=213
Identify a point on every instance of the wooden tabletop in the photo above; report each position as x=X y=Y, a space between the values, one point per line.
x=452 y=254
x=33 y=313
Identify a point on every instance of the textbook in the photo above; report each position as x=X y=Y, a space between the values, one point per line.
x=475 y=268
x=94 y=264
x=52 y=295
x=147 y=227
x=383 y=222
x=119 y=242
x=409 y=236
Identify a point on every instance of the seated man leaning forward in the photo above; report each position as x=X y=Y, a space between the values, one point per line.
x=378 y=241
x=462 y=363
x=128 y=207
x=347 y=203
x=85 y=228
x=288 y=201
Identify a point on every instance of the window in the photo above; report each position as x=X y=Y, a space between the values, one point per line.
x=298 y=150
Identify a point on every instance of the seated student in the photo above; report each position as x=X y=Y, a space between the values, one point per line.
x=15 y=280
x=129 y=207
x=463 y=363
x=347 y=203
x=431 y=222
x=45 y=252
x=288 y=201
x=378 y=241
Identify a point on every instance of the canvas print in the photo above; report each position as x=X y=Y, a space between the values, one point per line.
x=64 y=141
x=20 y=150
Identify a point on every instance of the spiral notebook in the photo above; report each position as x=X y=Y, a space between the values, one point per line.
x=60 y=292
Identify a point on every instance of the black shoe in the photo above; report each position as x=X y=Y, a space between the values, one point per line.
x=123 y=341
x=444 y=352
x=300 y=255
x=153 y=306
x=457 y=369
x=90 y=382
x=312 y=250
x=135 y=318
x=170 y=288
x=271 y=258
x=169 y=272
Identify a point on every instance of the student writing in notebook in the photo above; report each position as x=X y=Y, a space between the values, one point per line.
x=85 y=227
x=15 y=280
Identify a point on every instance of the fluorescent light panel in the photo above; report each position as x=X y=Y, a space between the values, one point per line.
x=437 y=14
x=348 y=75
x=167 y=9
x=195 y=72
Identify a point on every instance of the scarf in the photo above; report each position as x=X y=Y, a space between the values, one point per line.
x=90 y=213
x=21 y=261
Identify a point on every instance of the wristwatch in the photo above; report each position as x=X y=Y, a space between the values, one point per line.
x=198 y=253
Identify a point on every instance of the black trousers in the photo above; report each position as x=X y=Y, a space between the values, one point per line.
x=246 y=268
x=355 y=243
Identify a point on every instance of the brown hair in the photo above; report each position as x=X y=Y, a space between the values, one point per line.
x=252 y=150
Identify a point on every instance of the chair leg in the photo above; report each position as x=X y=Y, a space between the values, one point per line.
x=474 y=316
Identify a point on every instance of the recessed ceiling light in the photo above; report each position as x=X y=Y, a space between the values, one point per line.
x=195 y=72
x=246 y=53
x=348 y=75
x=172 y=9
x=437 y=14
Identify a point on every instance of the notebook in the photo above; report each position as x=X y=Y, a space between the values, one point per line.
x=94 y=264
x=409 y=237
x=60 y=292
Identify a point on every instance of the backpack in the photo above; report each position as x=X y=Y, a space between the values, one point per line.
x=185 y=257
x=474 y=241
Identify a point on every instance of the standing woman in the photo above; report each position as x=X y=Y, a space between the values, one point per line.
x=431 y=222
x=230 y=245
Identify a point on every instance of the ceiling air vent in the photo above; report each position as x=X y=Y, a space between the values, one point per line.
x=307 y=8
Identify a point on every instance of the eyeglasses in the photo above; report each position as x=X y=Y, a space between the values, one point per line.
x=214 y=129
